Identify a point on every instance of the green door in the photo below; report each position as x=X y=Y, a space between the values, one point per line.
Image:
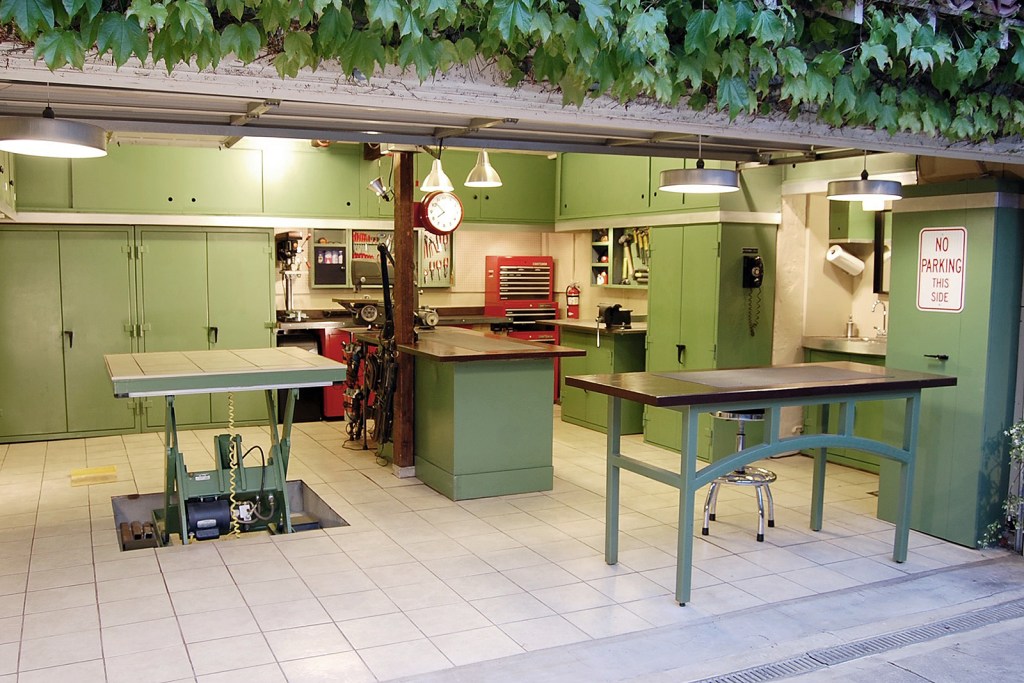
x=31 y=334
x=96 y=284
x=174 y=311
x=665 y=292
x=241 y=304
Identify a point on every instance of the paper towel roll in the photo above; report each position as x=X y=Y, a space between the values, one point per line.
x=848 y=262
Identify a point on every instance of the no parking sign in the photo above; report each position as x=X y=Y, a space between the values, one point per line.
x=941 y=269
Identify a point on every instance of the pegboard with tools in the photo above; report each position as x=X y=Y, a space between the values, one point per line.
x=436 y=260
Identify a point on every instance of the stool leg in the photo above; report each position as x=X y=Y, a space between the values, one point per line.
x=771 y=505
x=760 y=514
x=714 y=498
x=707 y=511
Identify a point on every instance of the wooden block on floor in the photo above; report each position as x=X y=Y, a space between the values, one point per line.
x=94 y=475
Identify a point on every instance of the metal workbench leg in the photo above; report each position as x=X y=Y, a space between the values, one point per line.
x=818 y=485
x=910 y=424
x=687 y=490
x=611 y=500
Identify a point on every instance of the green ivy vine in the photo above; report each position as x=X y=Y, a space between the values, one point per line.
x=956 y=77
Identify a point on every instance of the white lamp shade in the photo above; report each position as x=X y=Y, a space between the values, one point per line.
x=699 y=180
x=864 y=190
x=437 y=180
x=45 y=136
x=483 y=174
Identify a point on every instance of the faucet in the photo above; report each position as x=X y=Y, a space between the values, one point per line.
x=885 y=318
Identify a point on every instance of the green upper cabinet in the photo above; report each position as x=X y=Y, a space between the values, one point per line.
x=849 y=222
x=602 y=185
x=312 y=182
x=140 y=179
x=43 y=184
x=527 y=193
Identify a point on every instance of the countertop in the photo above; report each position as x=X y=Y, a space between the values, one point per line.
x=591 y=327
x=863 y=346
x=341 y=320
x=454 y=345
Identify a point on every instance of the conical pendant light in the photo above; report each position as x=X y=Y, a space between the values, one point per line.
x=483 y=174
x=699 y=180
x=873 y=193
x=48 y=136
x=437 y=180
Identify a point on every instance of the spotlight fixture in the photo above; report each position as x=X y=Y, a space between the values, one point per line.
x=483 y=174
x=377 y=185
x=873 y=193
x=48 y=136
x=436 y=180
x=699 y=180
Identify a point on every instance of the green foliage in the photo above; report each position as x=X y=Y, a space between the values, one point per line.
x=956 y=77
x=1001 y=531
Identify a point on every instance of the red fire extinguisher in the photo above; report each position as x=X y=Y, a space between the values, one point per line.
x=572 y=301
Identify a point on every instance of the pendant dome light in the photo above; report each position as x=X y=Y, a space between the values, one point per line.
x=483 y=174
x=699 y=180
x=873 y=193
x=48 y=136
x=437 y=180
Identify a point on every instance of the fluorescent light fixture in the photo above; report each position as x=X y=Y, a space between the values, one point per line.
x=48 y=136
x=483 y=174
x=699 y=180
x=865 y=190
x=437 y=180
x=377 y=185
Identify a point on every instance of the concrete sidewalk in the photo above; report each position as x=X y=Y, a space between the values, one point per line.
x=980 y=606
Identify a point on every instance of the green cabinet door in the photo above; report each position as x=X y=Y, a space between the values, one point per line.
x=43 y=184
x=240 y=296
x=138 y=179
x=602 y=185
x=527 y=193
x=97 y=300
x=31 y=334
x=315 y=182
x=173 y=309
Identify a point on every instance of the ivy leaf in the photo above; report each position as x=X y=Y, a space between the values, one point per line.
x=645 y=32
x=763 y=60
x=699 y=37
x=274 y=15
x=412 y=25
x=688 y=69
x=943 y=51
x=414 y=50
x=830 y=63
x=767 y=27
x=698 y=101
x=844 y=94
x=904 y=32
x=465 y=49
x=791 y=59
x=242 y=40
x=822 y=31
x=194 y=12
x=586 y=42
x=72 y=6
x=598 y=14
x=233 y=7
x=734 y=94
x=298 y=53
x=736 y=59
x=30 y=15
x=921 y=58
x=966 y=63
x=819 y=86
x=333 y=29
x=1001 y=106
x=541 y=25
x=910 y=121
x=208 y=51
x=724 y=24
x=148 y=14
x=122 y=36
x=363 y=50
x=387 y=12
x=795 y=90
x=989 y=58
x=877 y=52
x=961 y=127
x=1018 y=57
x=511 y=15
x=59 y=48
x=946 y=78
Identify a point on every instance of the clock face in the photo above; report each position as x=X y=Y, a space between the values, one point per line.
x=442 y=212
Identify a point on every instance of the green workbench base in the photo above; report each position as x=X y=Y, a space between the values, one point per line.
x=484 y=428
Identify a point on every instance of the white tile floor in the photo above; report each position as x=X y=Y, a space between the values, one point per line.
x=417 y=583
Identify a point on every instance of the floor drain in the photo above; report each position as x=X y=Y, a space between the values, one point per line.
x=820 y=659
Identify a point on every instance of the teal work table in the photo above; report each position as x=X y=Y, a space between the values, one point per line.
x=484 y=412
x=697 y=392
x=171 y=374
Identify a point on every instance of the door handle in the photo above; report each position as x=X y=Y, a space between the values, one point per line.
x=680 y=350
x=937 y=356
x=71 y=338
x=214 y=334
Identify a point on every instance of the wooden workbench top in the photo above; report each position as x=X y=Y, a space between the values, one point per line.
x=453 y=345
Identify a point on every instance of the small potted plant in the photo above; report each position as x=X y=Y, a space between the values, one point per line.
x=1008 y=530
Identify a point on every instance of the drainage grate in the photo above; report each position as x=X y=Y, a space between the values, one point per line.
x=819 y=659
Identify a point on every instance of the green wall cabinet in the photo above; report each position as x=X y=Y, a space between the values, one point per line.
x=70 y=297
x=205 y=290
x=312 y=182
x=701 y=317
x=138 y=179
x=619 y=352
x=962 y=460
x=869 y=420
x=602 y=185
x=849 y=222
x=7 y=195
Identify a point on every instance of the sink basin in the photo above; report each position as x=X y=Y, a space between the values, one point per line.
x=867 y=346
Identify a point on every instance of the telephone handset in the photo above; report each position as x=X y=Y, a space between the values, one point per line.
x=753 y=271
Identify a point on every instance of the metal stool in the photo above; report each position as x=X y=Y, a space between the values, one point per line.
x=758 y=477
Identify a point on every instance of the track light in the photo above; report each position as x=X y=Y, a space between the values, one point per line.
x=377 y=185
x=48 y=136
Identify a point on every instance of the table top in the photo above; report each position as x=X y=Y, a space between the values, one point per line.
x=590 y=327
x=455 y=345
x=171 y=373
x=778 y=382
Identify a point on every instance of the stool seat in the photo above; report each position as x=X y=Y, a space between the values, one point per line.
x=758 y=477
x=753 y=415
x=749 y=476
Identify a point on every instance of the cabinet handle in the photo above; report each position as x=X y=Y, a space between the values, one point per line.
x=214 y=333
x=680 y=350
x=937 y=356
x=71 y=338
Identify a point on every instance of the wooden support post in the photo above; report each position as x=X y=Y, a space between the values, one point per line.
x=404 y=291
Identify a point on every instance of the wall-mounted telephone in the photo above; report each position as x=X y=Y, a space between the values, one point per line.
x=753 y=271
